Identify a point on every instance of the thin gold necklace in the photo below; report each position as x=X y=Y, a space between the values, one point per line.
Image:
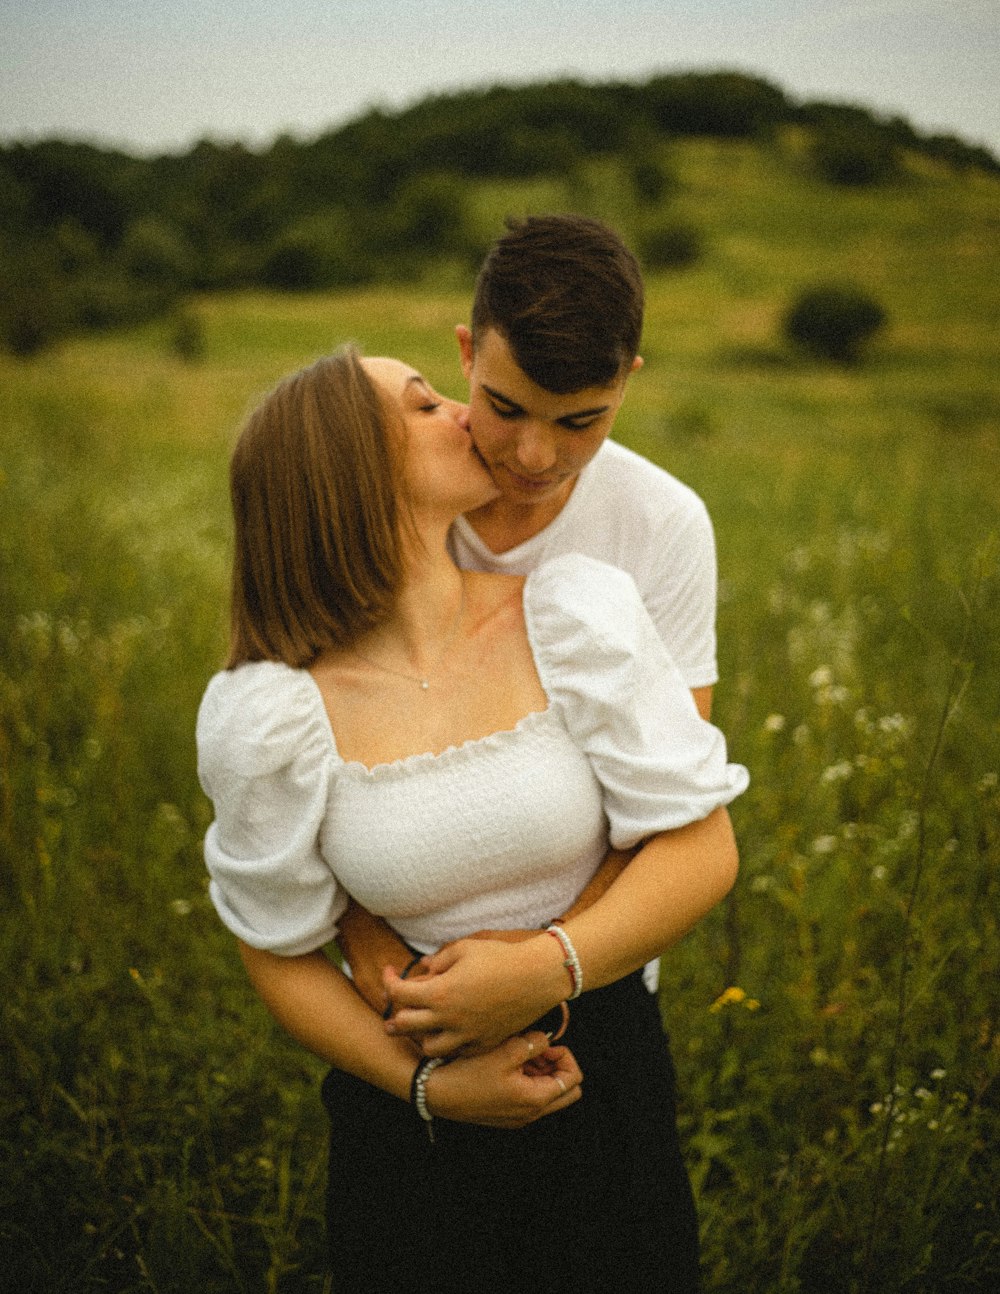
x=423 y=680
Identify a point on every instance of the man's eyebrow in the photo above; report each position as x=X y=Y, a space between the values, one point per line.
x=504 y=399
x=576 y=413
x=585 y=413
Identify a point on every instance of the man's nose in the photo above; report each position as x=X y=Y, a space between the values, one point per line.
x=536 y=448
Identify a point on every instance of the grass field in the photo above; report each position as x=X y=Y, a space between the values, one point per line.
x=835 y=1024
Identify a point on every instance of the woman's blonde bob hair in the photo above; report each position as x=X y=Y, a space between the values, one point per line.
x=315 y=492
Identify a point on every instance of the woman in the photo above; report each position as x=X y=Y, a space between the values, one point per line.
x=450 y=748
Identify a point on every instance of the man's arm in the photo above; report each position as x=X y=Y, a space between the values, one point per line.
x=367 y=944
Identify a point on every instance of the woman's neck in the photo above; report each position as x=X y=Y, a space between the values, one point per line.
x=429 y=609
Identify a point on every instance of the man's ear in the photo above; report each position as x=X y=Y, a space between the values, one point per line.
x=637 y=364
x=465 y=350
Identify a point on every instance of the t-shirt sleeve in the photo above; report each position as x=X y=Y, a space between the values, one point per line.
x=680 y=587
x=624 y=702
x=264 y=760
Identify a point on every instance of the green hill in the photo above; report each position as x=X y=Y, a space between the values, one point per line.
x=91 y=238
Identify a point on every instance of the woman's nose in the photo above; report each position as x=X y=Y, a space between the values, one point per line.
x=461 y=413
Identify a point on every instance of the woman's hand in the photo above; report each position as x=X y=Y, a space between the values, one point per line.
x=473 y=994
x=519 y=1082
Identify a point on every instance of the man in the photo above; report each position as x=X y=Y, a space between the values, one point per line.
x=556 y=324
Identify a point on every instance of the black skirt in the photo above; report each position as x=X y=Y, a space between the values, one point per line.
x=594 y=1198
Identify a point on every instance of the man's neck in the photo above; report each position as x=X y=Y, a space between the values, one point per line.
x=504 y=524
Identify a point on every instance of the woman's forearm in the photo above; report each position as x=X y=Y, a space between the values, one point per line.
x=671 y=883
x=479 y=992
x=314 y=1002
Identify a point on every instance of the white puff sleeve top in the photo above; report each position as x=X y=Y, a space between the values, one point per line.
x=501 y=832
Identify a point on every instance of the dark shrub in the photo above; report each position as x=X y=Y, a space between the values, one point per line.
x=651 y=180
x=427 y=217
x=851 y=155
x=155 y=254
x=318 y=252
x=32 y=309
x=670 y=245
x=187 y=337
x=834 y=322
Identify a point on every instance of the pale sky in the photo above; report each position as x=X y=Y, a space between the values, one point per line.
x=157 y=75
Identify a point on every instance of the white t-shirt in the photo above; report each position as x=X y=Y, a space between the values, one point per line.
x=501 y=831
x=628 y=512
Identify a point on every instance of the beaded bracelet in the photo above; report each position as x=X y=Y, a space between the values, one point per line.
x=418 y=1089
x=571 y=961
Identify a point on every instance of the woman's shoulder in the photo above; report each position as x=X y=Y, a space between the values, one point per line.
x=254 y=718
x=584 y=615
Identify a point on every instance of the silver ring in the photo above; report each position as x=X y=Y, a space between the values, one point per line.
x=531 y=1046
x=562 y=1085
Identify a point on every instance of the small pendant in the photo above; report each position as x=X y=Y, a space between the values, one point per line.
x=425 y=684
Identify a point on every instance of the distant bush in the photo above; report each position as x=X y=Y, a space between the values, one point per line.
x=426 y=218
x=725 y=104
x=32 y=310
x=187 y=337
x=670 y=245
x=318 y=252
x=109 y=298
x=155 y=254
x=834 y=322
x=852 y=155
x=651 y=180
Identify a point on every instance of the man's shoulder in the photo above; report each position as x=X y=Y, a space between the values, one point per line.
x=618 y=471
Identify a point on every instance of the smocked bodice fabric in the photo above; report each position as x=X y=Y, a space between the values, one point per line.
x=504 y=831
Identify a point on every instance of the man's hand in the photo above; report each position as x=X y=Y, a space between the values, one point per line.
x=368 y=944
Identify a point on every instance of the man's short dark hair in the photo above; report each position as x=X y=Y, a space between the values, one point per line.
x=567 y=295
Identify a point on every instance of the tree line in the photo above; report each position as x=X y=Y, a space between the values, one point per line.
x=92 y=237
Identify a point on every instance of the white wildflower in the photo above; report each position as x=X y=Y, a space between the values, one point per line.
x=824 y=844
x=838 y=772
x=774 y=723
